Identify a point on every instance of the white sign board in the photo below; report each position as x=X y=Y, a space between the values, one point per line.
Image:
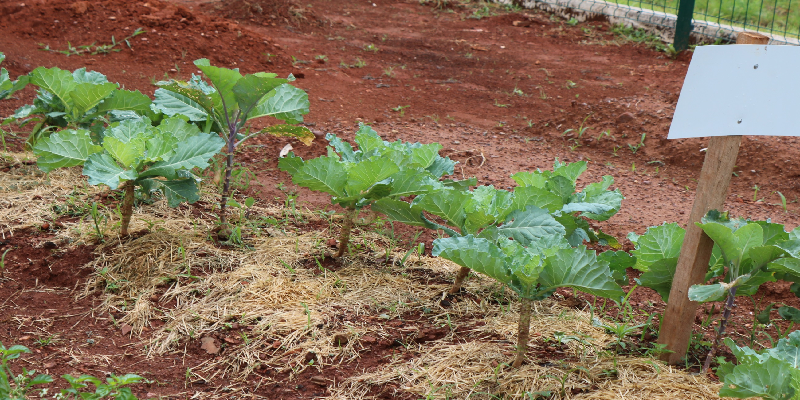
x=740 y=90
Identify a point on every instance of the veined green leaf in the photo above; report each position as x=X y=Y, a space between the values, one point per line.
x=424 y=155
x=323 y=174
x=124 y=153
x=413 y=182
x=529 y=225
x=530 y=179
x=193 y=152
x=561 y=186
x=131 y=130
x=363 y=175
x=56 y=81
x=368 y=140
x=441 y=166
x=474 y=253
x=344 y=149
x=659 y=276
x=224 y=80
x=570 y=171
x=102 y=169
x=86 y=96
x=659 y=242
x=579 y=268
x=126 y=100
x=767 y=380
x=448 y=204
x=703 y=293
x=66 y=148
x=250 y=89
x=535 y=196
x=618 y=263
x=176 y=191
x=177 y=98
x=399 y=211
x=287 y=104
x=81 y=75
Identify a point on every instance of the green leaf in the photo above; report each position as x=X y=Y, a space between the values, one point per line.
x=250 y=89
x=441 y=166
x=424 y=155
x=448 y=204
x=224 y=80
x=477 y=254
x=529 y=225
x=767 y=380
x=300 y=133
x=788 y=349
x=65 y=148
x=534 y=196
x=368 y=140
x=579 y=268
x=193 y=152
x=561 y=187
x=126 y=100
x=659 y=276
x=789 y=314
x=288 y=104
x=176 y=191
x=530 y=179
x=86 y=96
x=81 y=75
x=413 y=182
x=570 y=171
x=400 y=211
x=344 y=149
x=659 y=242
x=703 y=293
x=124 y=153
x=102 y=169
x=56 y=81
x=323 y=174
x=177 y=98
x=618 y=263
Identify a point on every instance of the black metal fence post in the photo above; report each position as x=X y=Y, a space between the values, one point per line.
x=683 y=27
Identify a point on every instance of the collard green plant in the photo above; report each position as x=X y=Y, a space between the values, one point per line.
x=133 y=154
x=544 y=204
x=112 y=388
x=7 y=86
x=228 y=102
x=78 y=100
x=377 y=170
x=771 y=374
x=533 y=272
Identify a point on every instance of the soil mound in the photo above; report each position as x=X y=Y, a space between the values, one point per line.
x=263 y=12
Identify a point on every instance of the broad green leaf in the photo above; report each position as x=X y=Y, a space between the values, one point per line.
x=175 y=191
x=773 y=233
x=344 y=149
x=176 y=98
x=767 y=380
x=724 y=237
x=126 y=100
x=177 y=130
x=570 y=171
x=448 y=204
x=618 y=263
x=788 y=349
x=424 y=155
x=703 y=293
x=529 y=225
x=287 y=104
x=56 y=81
x=413 y=182
x=659 y=276
x=124 y=153
x=535 y=196
x=477 y=254
x=81 y=75
x=463 y=184
x=363 y=175
x=789 y=314
x=86 y=96
x=441 y=166
x=224 y=80
x=597 y=193
x=250 y=89
x=763 y=255
x=593 y=208
x=399 y=211
x=368 y=140
x=790 y=246
x=193 y=152
x=131 y=130
x=65 y=148
x=300 y=133
x=785 y=265
x=102 y=169
x=323 y=174
x=579 y=268
x=659 y=242
x=750 y=283
x=561 y=186
x=530 y=179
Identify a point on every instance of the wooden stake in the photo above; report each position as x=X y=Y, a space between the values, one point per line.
x=712 y=189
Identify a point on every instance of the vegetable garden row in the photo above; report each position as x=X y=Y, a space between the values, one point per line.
x=533 y=239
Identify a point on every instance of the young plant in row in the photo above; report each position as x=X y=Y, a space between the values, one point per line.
x=534 y=271
x=228 y=103
x=746 y=254
x=133 y=153
x=545 y=205
x=771 y=374
x=7 y=86
x=78 y=100
x=377 y=170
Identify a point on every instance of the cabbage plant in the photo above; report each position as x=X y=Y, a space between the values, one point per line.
x=7 y=86
x=133 y=153
x=771 y=374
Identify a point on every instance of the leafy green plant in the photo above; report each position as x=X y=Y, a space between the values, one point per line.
x=7 y=86
x=113 y=387
x=771 y=374
x=228 y=103
x=533 y=272
x=94 y=48
x=544 y=204
x=133 y=154
x=377 y=170
x=78 y=100
x=17 y=387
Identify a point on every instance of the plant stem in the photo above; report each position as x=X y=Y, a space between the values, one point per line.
x=344 y=238
x=460 y=277
x=523 y=331
x=127 y=208
x=226 y=188
x=721 y=331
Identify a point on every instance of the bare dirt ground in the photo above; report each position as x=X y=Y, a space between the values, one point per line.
x=497 y=88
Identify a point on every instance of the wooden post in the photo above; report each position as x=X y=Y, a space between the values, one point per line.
x=712 y=189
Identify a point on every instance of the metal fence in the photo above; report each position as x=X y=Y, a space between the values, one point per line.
x=706 y=19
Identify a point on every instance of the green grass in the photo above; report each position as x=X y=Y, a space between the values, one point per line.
x=782 y=17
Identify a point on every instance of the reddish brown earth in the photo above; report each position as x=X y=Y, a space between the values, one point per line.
x=497 y=92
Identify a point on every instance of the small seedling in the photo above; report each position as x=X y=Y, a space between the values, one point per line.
x=639 y=145
x=498 y=104
x=401 y=109
x=371 y=47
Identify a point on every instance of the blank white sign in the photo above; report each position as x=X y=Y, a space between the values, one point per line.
x=740 y=90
